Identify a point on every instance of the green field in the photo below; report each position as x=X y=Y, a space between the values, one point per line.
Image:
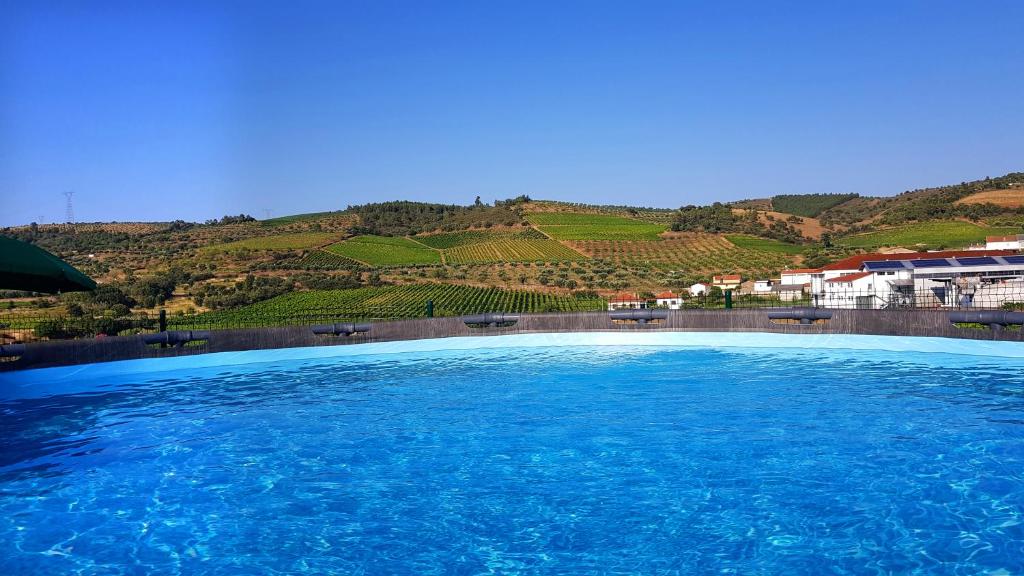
x=390 y=302
x=926 y=235
x=324 y=260
x=386 y=251
x=809 y=205
x=576 y=226
x=286 y=220
x=512 y=251
x=764 y=244
x=298 y=241
x=469 y=237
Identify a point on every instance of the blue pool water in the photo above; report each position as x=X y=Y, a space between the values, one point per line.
x=610 y=460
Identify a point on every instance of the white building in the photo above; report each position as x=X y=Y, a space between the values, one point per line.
x=626 y=301
x=762 y=286
x=797 y=276
x=790 y=292
x=851 y=291
x=669 y=300
x=988 y=278
x=1014 y=242
x=698 y=289
x=727 y=281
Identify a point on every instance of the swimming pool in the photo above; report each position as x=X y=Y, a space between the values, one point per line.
x=560 y=454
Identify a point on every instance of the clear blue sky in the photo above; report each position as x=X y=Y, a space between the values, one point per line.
x=156 y=111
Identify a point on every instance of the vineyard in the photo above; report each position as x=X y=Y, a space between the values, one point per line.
x=310 y=217
x=469 y=237
x=512 y=251
x=694 y=253
x=299 y=241
x=651 y=215
x=407 y=301
x=385 y=251
x=764 y=244
x=927 y=235
x=575 y=226
x=324 y=260
x=809 y=205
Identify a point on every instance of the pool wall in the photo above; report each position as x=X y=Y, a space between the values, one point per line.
x=930 y=323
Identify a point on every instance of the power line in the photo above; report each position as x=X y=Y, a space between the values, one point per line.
x=70 y=210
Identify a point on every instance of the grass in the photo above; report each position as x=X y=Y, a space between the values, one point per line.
x=764 y=244
x=386 y=251
x=470 y=237
x=577 y=226
x=286 y=220
x=950 y=234
x=324 y=260
x=1009 y=198
x=297 y=241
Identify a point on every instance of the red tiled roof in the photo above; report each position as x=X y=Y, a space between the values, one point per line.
x=727 y=278
x=1011 y=238
x=855 y=262
x=668 y=294
x=850 y=277
x=624 y=297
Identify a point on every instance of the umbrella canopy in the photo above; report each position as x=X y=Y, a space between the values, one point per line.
x=27 y=267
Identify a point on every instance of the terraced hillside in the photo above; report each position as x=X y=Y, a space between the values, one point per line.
x=512 y=251
x=954 y=234
x=580 y=227
x=297 y=241
x=386 y=251
x=691 y=252
x=469 y=237
x=644 y=214
x=467 y=247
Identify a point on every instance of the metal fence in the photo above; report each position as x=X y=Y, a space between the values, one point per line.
x=19 y=327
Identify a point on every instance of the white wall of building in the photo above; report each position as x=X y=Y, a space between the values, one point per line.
x=671 y=303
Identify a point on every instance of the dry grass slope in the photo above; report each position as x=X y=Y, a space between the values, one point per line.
x=1007 y=198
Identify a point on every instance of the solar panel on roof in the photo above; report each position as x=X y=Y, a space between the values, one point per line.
x=929 y=263
x=884 y=265
x=977 y=261
x=1014 y=259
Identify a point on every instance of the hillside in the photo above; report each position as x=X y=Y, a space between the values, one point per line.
x=989 y=197
x=545 y=253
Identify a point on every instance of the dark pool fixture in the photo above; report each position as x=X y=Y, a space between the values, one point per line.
x=491 y=319
x=341 y=329
x=639 y=316
x=176 y=337
x=806 y=316
x=994 y=319
x=12 y=350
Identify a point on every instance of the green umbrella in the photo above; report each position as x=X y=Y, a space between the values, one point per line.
x=27 y=267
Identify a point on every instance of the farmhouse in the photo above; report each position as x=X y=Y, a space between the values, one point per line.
x=987 y=278
x=797 y=276
x=1013 y=242
x=727 y=281
x=698 y=289
x=762 y=286
x=626 y=301
x=669 y=300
